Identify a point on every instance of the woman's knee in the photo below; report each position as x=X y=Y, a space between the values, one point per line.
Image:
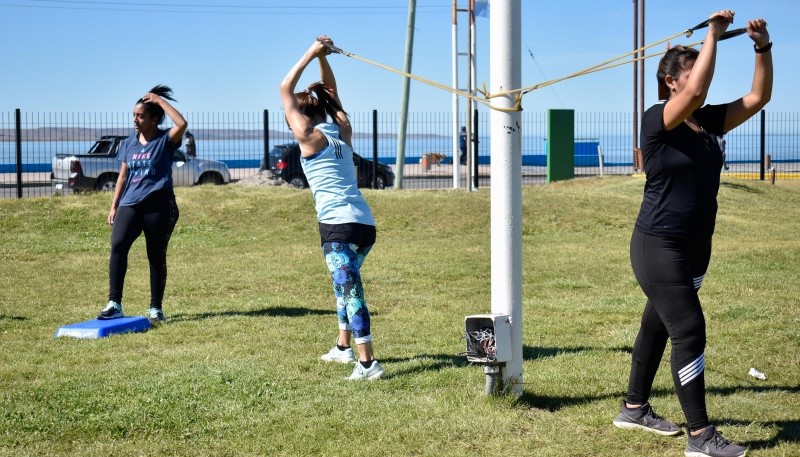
x=690 y=336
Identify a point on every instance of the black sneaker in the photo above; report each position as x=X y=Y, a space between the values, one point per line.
x=113 y=310
x=156 y=316
x=645 y=418
x=711 y=443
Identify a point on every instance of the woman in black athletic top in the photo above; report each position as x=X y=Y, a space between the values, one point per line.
x=671 y=243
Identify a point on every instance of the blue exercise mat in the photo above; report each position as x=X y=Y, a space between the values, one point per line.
x=97 y=328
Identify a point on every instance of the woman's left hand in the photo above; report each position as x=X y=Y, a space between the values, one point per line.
x=152 y=98
x=325 y=40
x=757 y=31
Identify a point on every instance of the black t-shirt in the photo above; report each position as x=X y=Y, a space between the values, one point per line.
x=683 y=171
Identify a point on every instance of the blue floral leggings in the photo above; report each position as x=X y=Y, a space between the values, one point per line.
x=344 y=262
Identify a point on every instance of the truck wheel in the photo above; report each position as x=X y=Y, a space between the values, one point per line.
x=106 y=182
x=210 y=178
x=297 y=181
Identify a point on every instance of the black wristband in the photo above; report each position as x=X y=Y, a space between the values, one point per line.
x=762 y=50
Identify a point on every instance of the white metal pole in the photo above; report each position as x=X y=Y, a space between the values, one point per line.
x=506 y=186
x=456 y=148
x=471 y=144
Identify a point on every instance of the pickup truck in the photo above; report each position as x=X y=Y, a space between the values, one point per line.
x=99 y=168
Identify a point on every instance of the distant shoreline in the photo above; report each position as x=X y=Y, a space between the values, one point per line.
x=91 y=134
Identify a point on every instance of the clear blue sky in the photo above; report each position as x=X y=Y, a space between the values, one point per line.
x=230 y=56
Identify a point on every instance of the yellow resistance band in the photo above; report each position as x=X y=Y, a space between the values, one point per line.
x=519 y=93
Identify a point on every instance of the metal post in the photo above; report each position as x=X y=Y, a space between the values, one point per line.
x=474 y=148
x=472 y=155
x=506 y=188
x=456 y=148
x=374 y=149
x=638 y=78
x=635 y=80
x=401 y=135
x=600 y=159
x=18 y=116
x=763 y=145
x=641 y=62
x=266 y=138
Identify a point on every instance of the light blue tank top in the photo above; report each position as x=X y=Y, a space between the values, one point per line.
x=332 y=177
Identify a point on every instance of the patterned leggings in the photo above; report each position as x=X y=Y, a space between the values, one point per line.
x=344 y=261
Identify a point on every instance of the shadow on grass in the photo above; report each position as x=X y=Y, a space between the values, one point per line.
x=553 y=404
x=744 y=187
x=787 y=431
x=430 y=362
x=556 y=403
x=535 y=353
x=280 y=311
x=427 y=362
x=12 y=318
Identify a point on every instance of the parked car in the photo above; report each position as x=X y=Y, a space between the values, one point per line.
x=284 y=163
x=99 y=168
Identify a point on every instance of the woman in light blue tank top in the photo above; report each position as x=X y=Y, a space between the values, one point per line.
x=346 y=226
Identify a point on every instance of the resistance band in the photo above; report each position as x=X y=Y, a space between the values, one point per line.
x=519 y=93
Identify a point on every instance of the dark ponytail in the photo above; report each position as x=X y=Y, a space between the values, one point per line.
x=155 y=110
x=675 y=60
x=319 y=105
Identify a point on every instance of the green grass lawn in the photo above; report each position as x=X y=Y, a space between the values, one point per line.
x=236 y=370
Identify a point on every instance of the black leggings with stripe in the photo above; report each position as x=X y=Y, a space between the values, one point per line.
x=670 y=271
x=156 y=216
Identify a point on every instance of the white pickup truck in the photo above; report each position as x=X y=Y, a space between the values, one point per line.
x=99 y=168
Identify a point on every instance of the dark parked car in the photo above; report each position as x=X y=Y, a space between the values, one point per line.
x=284 y=162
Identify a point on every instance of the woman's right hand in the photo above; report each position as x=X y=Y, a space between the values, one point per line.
x=719 y=22
x=111 y=215
x=757 y=30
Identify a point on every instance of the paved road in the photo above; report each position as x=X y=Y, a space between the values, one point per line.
x=28 y=190
x=437 y=177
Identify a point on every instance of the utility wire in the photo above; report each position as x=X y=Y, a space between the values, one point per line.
x=198 y=8
x=541 y=71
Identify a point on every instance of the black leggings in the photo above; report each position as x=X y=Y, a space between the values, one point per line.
x=156 y=217
x=670 y=271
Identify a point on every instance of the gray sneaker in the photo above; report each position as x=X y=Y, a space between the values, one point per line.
x=711 y=443
x=644 y=418
x=360 y=373
x=113 y=310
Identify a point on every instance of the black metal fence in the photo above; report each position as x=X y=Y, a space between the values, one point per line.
x=768 y=144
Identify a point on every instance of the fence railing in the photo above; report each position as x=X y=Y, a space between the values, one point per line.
x=604 y=144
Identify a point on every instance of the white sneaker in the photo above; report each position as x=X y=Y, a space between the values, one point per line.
x=113 y=310
x=360 y=373
x=336 y=355
x=156 y=316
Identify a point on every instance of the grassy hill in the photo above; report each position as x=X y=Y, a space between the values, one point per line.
x=236 y=371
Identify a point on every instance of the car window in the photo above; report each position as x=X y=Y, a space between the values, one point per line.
x=101 y=147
